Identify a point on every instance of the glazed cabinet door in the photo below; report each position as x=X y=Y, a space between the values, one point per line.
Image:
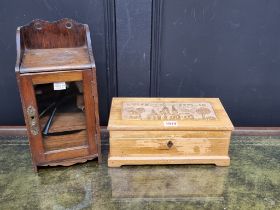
x=63 y=114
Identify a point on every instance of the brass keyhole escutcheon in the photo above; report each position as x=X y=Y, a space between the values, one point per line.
x=169 y=144
x=34 y=127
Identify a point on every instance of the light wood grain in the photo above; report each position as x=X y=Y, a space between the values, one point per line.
x=159 y=147
x=139 y=143
x=139 y=135
x=169 y=134
x=114 y=161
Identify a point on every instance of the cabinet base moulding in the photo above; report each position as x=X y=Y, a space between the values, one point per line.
x=67 y=162
x=217 y=160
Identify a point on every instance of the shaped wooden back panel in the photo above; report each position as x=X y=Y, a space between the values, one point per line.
x=40 y=34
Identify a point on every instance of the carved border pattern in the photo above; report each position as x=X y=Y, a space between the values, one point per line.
x=167 y=111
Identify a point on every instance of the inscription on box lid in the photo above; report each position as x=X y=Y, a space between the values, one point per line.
x=185 y=114
x=167 y=111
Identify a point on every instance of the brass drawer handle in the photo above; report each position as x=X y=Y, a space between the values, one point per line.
x=169 y=144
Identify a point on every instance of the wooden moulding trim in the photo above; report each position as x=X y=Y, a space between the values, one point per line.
x=163 y=158
x=51 y=77
x=118 y=161
x=55 y=68
x=238 y=131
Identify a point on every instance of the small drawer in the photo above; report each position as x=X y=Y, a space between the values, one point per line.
x=169 y=146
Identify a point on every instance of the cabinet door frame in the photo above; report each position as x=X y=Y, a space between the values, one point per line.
x=28 y=99
x=39 y=155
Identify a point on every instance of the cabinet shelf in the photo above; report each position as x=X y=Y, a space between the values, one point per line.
x=65 y=122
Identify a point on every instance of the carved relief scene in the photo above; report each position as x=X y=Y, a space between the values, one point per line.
x=167 y=111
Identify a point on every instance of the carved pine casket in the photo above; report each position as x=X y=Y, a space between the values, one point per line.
x=168 y=131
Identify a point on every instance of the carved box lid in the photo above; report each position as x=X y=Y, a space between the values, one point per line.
x=168 y=114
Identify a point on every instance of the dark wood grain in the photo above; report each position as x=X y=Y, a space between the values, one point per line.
x=43 y=78
x=89 y=109
x=53 y=46
x=65 y=141
x=59 y=52
x=68 y=153
x=28 y=99
x=55 y=59
x=96 y=114
x=66 y=121
x=40 y=34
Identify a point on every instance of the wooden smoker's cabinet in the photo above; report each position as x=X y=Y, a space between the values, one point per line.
x=168 y=131
x=56 y=76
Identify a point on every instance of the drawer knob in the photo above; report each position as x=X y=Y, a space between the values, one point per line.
x=169 y=144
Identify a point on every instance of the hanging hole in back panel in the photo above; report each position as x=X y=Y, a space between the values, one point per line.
x=68 y=25
x=38 y=26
